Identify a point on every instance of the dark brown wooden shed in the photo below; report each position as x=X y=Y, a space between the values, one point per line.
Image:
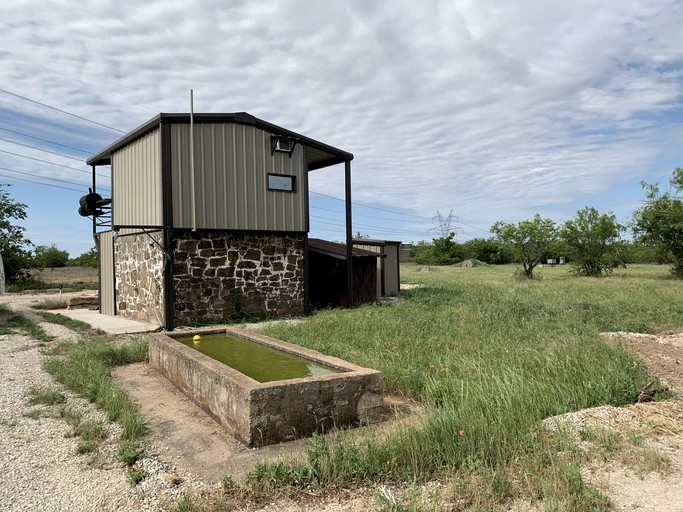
x=328 y=275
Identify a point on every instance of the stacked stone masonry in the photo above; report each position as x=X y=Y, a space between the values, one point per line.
x=219 y=275
x=139 y=265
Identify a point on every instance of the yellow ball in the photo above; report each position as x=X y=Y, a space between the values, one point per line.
x=196 y=338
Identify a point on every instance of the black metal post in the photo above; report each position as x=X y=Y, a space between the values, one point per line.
x=349 y=235
x=94 y=217
x=167 y=219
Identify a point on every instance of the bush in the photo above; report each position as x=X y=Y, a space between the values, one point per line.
x=50 y=257
x=90 y=258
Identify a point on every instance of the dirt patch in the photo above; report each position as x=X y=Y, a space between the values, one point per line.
x=183 y=435
x=649 y=478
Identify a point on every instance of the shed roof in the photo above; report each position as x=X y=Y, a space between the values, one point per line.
x=338 y=250
x=319 y=154
x=375 y=241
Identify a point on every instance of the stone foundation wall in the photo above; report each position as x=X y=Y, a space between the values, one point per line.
x=219 y=275
x=138 y=266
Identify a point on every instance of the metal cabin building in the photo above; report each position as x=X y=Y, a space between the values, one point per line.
x=208 y=218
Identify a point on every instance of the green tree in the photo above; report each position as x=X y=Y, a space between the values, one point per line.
x=487 y=250
x=659 y=222
x=50 y=256
x=591 y=241
x=442 y=251
x=529 y=240
x=15 y=249
x=87 y=259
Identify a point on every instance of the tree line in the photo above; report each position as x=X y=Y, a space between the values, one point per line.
x=591 y=241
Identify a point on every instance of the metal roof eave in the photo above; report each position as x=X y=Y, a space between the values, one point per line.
x=336 y=155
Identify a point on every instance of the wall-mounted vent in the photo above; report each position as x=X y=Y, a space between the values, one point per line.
x=282 y=145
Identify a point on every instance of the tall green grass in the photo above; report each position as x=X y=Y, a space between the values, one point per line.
x=11 y=323
x=490 y=357
x=85 y=368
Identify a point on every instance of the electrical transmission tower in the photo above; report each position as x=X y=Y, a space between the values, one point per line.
x=444 y=227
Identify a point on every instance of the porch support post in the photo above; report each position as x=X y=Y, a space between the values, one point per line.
x=167 y=219
x=349 y=236
x=94 y=189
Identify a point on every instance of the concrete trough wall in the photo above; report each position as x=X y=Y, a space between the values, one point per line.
x=260 y=414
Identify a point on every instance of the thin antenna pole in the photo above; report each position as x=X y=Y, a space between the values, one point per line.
x=192 y=186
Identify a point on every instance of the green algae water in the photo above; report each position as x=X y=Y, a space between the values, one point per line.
x=261 y=363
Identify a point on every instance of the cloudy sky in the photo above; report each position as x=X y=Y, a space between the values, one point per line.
x=495 y=110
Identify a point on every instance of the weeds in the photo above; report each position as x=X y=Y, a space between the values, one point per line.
x=136 y=475
x=229 y=485
x=45 y=396
x=57 y=318
x=185 y=505
x=11 y=322
x=85 y=368
x=34 y=414
x=491 y=357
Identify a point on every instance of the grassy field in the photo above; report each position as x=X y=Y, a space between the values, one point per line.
x=489 y=356
x=69 y=278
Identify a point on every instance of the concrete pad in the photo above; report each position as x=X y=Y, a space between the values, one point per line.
x=107 y=323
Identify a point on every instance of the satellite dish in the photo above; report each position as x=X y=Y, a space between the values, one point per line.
x=2 y=277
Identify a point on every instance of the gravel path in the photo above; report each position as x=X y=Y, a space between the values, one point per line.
x=40 y=469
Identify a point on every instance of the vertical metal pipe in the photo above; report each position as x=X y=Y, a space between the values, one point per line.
x=192 y=185
x=349 y=235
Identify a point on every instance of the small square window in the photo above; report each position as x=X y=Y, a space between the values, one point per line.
x=281 y=182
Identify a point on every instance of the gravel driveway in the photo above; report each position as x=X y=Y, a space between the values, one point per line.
x=40 y=469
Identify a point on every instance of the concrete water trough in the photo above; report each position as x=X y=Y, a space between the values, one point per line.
x=263 y=413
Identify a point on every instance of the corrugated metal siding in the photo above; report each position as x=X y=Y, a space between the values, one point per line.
x=388 y=278
x=136 y=182
x=392 y=280
x=107 y=285
x=232 y=162
x=380 y=264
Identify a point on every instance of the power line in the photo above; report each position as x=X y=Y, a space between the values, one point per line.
x=45 y=140
x=44 y=177
x=41 y=149
x=382 y=229
x=375 y=207
x=386 y=210
x=51 y=163
x=355 y=214
x=61 y=111
x=474 y=227
x=39 y=183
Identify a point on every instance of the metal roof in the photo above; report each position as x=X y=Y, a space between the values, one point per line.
x=319 y=154
x=338 y=250
x=375 y=241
